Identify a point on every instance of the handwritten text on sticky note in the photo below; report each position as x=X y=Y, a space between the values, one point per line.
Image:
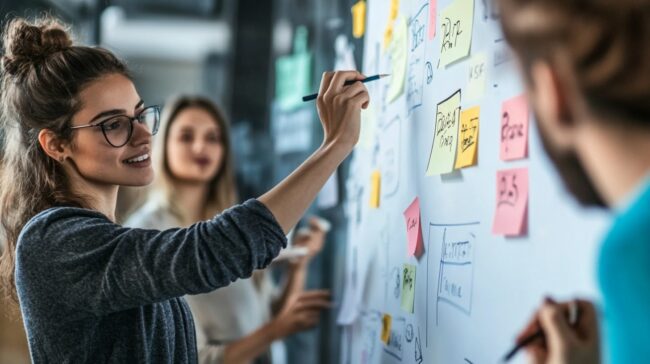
x=414 y=228
x=514 y=128
x=477 y=77
x=408 y=287
x=456 y=23
x=511 y=215
x=468 y=137
x=445 y=140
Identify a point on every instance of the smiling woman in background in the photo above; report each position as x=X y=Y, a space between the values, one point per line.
x=237 y=323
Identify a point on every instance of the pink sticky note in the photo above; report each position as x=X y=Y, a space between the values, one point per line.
x=432 y=18
x=511 y=215
x=514 y=128
x=413 y=228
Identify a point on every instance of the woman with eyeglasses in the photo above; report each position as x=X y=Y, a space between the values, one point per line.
x=89 y=289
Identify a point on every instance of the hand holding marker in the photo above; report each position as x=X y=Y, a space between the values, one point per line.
x=348 y=83
x=573 y=319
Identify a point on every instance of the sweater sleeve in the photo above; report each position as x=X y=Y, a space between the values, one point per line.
x=86 y=262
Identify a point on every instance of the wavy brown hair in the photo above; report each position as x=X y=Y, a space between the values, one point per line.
x=43 y=73
x=222 y=192
x=601 y=46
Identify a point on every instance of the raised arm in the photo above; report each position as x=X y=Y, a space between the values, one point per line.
x=104 y=267
x=339 y=109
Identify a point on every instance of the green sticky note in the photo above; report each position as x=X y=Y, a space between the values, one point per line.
x=293 y=74
x=456 y=23
x=292 y=80
x=445 y=140
x=397 y=50
x=408 y=287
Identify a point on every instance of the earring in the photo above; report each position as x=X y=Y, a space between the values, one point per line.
x=61 y=159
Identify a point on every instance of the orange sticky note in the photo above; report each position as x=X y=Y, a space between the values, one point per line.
x=375 y=189
x=433 y=4
x=386 y=322
x=413 y=228
x=511 y=215
x=359 y=19
x=514 y=128
x=468 y=137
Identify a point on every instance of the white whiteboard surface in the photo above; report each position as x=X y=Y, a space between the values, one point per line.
x=505 y=278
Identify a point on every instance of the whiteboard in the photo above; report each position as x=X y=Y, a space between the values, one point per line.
x=504 y=278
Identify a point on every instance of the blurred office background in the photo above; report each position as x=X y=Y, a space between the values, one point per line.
x=251 y=57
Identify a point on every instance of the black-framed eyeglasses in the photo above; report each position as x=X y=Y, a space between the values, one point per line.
x=118 y=129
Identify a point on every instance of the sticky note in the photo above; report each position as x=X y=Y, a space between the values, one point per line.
x=368 y=127
x=433 y=13
x=388 y=36
x=398 y=52
x=468 y=137
x=394 y=9
x=477 y=77
x=456 y=23
x=386 y=322
x=359 y=19
x=514 y=128
x=375 y=189
x=413 y=228
x=388 y=33
x=445 y=140
x=408 y=287
x=511 y=215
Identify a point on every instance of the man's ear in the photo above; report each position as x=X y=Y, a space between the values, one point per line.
x=549 y=94
x=53 y=146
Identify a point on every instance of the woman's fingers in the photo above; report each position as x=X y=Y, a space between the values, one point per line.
x=360 y=99
x=325 y=81
x=339 y=79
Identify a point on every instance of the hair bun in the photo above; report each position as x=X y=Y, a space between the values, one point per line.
x=29 y=42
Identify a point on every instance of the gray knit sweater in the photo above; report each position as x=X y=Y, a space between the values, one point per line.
x=92 y=291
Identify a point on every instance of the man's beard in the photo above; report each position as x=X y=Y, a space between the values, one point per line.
x=573 y=174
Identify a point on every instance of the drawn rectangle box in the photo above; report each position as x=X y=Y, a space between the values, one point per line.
x=456 y=270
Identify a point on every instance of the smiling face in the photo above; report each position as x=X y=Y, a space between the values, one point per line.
x=195 y=147
x=91 y=155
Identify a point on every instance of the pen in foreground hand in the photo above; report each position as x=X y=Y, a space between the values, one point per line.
x=348 y=83
x=574 y=316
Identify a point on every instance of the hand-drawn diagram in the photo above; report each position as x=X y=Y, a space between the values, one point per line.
x=456 y=269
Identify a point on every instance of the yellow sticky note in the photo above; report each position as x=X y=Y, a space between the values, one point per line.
x=388 y=35
x=477 y=77
x=398 y=50
x=468 y=137
x=456 y=23
x=445 y=140
x=386 y=322
x=359 y=19
x=394 y=9
x=375 y=189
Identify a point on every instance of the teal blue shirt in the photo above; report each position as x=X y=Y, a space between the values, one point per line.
x=624 y=278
